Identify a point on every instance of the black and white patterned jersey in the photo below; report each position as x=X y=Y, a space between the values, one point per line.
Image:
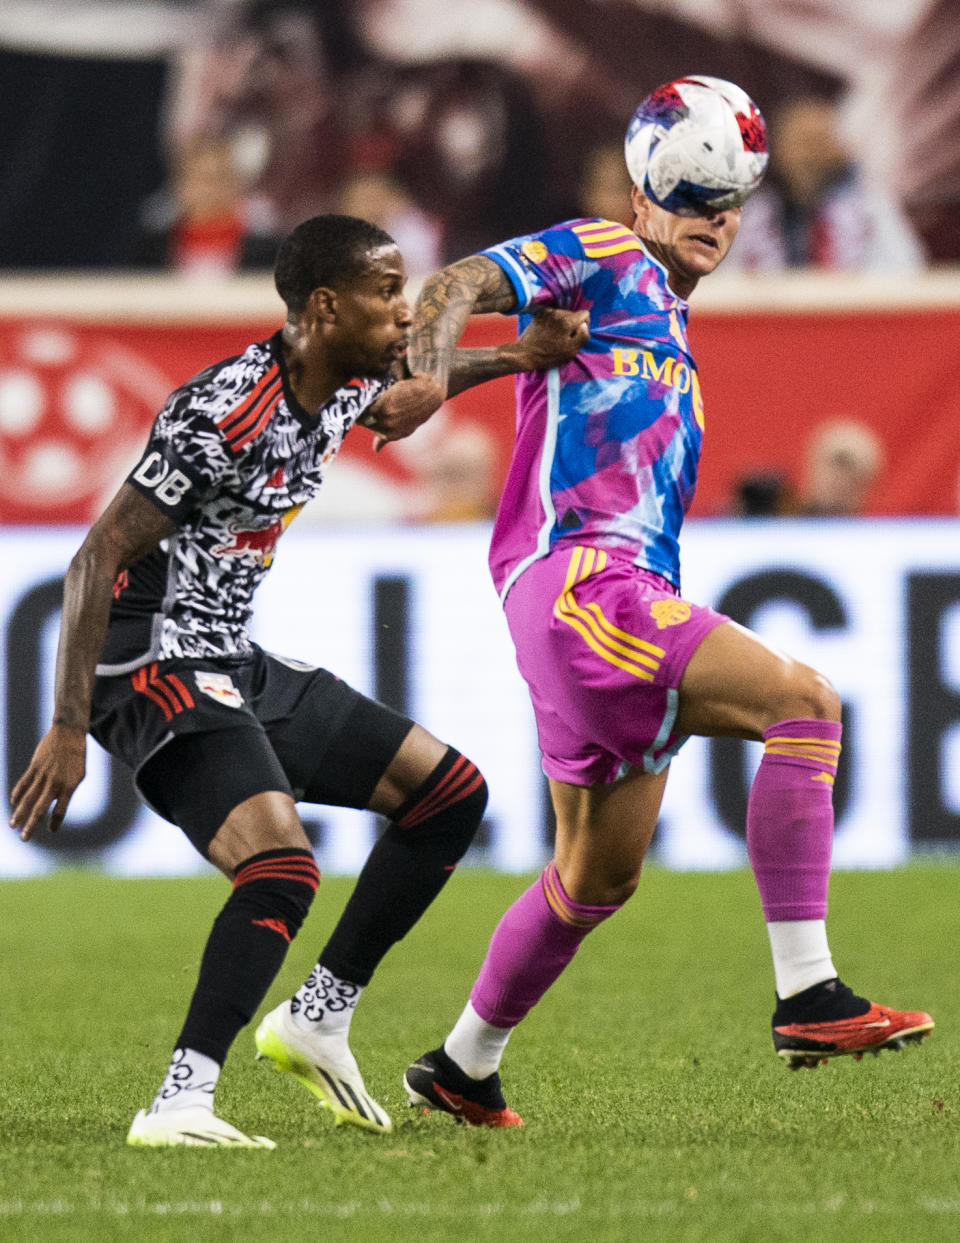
x=232 y=458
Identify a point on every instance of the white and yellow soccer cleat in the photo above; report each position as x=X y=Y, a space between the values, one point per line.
x=194 y=1126
x=325 y=1067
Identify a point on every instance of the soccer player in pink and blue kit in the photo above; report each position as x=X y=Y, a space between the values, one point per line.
x=621 y=668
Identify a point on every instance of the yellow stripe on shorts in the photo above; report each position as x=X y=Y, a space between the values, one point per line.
x=616 y=646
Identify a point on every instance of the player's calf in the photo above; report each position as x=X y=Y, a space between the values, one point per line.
x=407 y=868
x=272 y=893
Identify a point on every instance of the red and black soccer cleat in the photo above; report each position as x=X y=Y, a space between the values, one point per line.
x=830 y=1020
x=438 y=1083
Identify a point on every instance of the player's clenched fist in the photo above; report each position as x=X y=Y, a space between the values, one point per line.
x=552 y=338
x=403 y=408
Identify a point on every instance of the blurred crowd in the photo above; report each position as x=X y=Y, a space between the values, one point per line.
x=843 y=459
x=451 y=125
x=816 y=208
x=189 y=136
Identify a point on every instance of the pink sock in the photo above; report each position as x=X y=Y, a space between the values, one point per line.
x=530 y=947
x=790 y=818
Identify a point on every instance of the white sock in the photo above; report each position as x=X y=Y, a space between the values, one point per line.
x=476 y=1046
x=324 y=1003
x=190 y=1081
x=801 y=955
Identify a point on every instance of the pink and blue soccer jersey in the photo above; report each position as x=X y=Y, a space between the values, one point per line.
x=607 y=446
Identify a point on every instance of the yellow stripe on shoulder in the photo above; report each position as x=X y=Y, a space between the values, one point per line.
x=601 y=233
x=606 y=237
x=598 y=252
x=599 y=226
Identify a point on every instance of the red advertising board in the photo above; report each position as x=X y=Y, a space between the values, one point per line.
x=770 y=379
x=79 y=388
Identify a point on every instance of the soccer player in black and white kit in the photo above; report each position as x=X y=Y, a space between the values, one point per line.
x=223 y=738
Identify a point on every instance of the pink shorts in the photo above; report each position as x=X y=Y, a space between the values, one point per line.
x=602 y=646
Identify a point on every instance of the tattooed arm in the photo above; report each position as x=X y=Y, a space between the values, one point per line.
x=472 y=286
x=128 y=529
x=552 y=338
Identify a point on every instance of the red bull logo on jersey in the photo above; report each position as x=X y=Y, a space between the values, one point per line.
x=258 y=543
x=219 y=686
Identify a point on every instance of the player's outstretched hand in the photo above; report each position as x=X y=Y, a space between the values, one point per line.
x=402 y=409
x=553 y=337
x=54 y=772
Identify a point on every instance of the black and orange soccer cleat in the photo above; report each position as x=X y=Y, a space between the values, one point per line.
x=830 y=1020
x=438 y=1083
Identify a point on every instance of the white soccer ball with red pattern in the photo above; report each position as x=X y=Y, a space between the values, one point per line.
x=697 y=145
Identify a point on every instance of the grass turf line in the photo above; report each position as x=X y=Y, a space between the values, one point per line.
x=655 y=1107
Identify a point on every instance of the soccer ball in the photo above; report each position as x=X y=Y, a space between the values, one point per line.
x=697 y=144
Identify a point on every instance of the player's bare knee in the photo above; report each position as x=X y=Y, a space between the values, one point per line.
x=829 y=702
x=593 y=887
x=619 y=891
x=413 y=765
x=266 y=821
x=806 y=695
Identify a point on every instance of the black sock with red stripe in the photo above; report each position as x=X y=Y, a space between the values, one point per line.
x=408 y=867
x=272 y=893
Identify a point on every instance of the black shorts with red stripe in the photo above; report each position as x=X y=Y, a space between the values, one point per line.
x=202 y=736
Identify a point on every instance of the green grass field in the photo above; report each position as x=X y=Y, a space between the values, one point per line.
x=655 y=1108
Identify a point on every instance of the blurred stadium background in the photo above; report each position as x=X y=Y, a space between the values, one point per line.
x=456 y=123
